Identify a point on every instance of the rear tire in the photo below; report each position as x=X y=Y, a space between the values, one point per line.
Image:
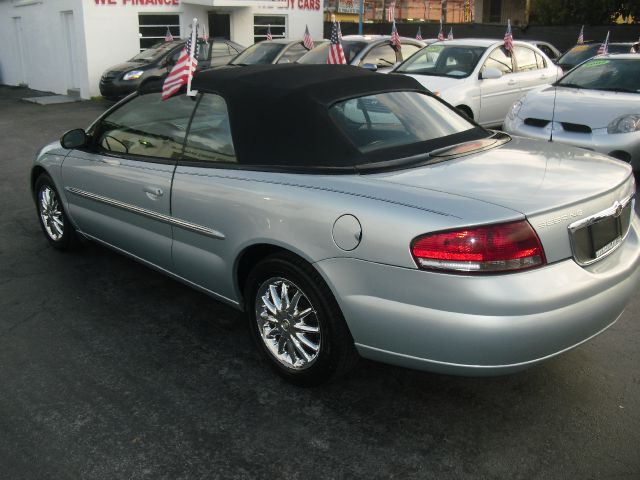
x=53 y=219
x=296 y=323
x=466 y=111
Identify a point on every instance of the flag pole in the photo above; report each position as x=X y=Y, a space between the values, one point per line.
x=194 y=27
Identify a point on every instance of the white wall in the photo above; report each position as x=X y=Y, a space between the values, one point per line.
x=44 y=46
x=108 y=35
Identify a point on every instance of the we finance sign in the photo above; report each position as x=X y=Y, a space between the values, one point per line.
x=139 y=2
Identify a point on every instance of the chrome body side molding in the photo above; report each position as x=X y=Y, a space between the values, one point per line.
x=148 y=213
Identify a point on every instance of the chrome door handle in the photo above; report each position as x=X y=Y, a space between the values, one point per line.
x=111 y=161
x=155 y=191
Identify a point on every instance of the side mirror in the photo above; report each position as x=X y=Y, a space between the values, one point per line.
x=75 y=138
x=370 y=66
x=490 y=72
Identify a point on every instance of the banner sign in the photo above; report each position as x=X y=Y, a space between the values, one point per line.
x=170 y=3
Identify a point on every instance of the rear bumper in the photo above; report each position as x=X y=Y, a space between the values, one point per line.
x=620 y=145
x=481 y=325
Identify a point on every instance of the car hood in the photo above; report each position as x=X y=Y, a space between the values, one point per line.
x=127 y=66
x=594 y=108
x=438 y=84
x=528 y=176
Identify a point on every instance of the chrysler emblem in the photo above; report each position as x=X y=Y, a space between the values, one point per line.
x=618 y=209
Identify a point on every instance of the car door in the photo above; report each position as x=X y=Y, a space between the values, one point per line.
x=531 y=68
x=203 y=200
x=119 y=188
x=497 y=94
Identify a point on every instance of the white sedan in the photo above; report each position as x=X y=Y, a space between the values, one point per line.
x=480 y=77
x=597 y=106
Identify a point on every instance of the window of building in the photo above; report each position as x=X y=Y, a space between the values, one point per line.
x=147 y=126
x=262 y=23
x=153 y=28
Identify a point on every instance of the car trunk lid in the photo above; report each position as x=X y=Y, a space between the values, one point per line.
x=552 y=185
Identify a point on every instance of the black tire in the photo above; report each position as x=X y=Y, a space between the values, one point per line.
x=466 y=111
x=62 y=237
x=336 y=354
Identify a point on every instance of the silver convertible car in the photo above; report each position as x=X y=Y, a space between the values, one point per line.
x=347 y=213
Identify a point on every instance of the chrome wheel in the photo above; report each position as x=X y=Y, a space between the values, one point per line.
x=51 y=213
x=288 y=323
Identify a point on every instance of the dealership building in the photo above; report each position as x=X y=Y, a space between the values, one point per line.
x=64 y=46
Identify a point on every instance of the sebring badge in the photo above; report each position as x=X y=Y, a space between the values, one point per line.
x=562 y=218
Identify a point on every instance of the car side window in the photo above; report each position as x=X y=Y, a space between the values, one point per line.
x=542 y=63
x=500 y=60
x=381 y=56
x=525 y=58
x=147 y=126
x=547 y=51
x=408 y=50
x=293 y=53
x=209 y=137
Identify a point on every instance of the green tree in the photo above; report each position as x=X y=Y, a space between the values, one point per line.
x=587 y=12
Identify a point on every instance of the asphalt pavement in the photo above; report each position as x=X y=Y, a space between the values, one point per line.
x=109 y=370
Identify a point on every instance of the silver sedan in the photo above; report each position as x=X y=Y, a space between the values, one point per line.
x=595 y=106
x=367 y=218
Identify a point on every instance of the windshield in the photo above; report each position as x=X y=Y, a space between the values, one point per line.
x=456 y=61
x=259 y=54
x=155 y=52
x=613 y=74
x=320 y=54
x=392 y=119
x=580 y=53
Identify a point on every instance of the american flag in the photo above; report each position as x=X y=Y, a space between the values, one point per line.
x=395 y=38
x=450 y=36
x=168 y=37
x=419 y=34
x=339 y=32
x=269 y=36
x=581 y=36
x=182 y=71
x=508 y=38
x=336 y=53
x=604 y=47
x=440 y=33
x=307 y=41
x=391 y=12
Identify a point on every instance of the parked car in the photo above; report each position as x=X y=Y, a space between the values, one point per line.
x=152 y=64
x=280 y=50
x=549 y=49
x=594 y=106
x=480 y=77
x=579 y=53
x=373 y=52
x=350 y=212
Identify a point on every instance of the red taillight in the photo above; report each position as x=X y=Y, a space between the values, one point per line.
x=492 y=248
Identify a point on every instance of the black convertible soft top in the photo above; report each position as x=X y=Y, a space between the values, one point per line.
x=279 y=113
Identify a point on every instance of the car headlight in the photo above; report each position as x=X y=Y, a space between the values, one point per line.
x=514 y=110
x=625 y=124
x=133 y=75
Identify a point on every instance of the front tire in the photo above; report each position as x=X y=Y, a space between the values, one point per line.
x=53 y=220
x=296 y=322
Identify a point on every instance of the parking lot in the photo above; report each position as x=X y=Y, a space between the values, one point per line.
x=111 y=370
